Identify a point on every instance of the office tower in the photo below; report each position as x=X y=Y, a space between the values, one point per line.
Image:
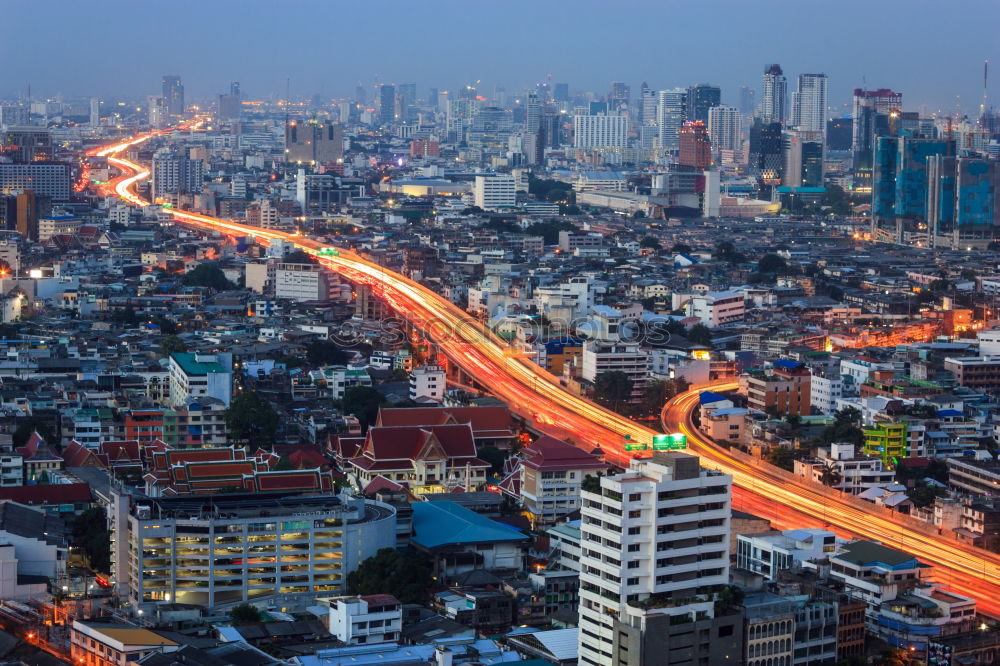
x=551 y=131
x=670 y=116
x=500 y=97
x=560 y=93
x=619 y=96
x=868 y=125
x=432 y=97
x=386 y=104
x=314 y=142
x=360 y=95
x=695 y=152
x=803 y=153
x=459 y=114
x=839 y=132
x=809 y=103
x=407 y=101
x=748 y=101
x=701 y=98
x=647 y=106
x=725 y=128
x=899 y=178
x=532 y=112
x=654 y=553
x=772 y=102
x=600 y=131
x=95 y=111
x=767 y=159
x=231 y=105
x=174 y=173
x=597 y=108
x=173 y=94
x=19 y=212
x=51 y=179
x=494 y=191
x=26 y=144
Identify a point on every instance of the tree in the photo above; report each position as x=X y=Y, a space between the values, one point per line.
x=681 y=248
x=830 y=475
x=172 y=344
x=390 y=572
x=845 y=428
x=208 y=275
x=549 y=230
x=771 y=263
x=700 y=335
x=251 y=419
x=650 y=242
x=612 y=388
x=363 y=402
x=297 y=257
x=91 y=535
x=923 y=494
x=781 y=457
x=244 y=614
x=31 y=424
x=657 y=393
x=726 y=251
x=592 y=484
x=324 y=352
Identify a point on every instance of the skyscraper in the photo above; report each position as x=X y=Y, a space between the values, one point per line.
x=701 y=98
x=880 y=101
x=670 y=117
x=386 y=104
x=695 y=148
x=532 y=112
x=432 y=97
x=647 y=105
x=314 y=142
x=809 y=103
x=775 y=87
x=803 y=158
x=95 y=111
x=173 y=95
x=654 y=551
x=407 y=100
x=724 y=128
x=560 y=92
x=748 y=101
x=619 y=96
x=767 y=159
x=230 y=105
x=601 y=131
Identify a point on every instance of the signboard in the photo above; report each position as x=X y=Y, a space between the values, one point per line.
x=674 y=442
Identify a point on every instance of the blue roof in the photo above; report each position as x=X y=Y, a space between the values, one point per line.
x=707 y=397
x=949 y=412
x=784 y=363
x=445 y=523
x=557 y=345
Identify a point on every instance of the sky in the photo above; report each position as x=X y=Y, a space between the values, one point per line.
x=932 y=52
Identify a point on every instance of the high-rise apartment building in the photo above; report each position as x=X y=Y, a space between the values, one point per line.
x=175 y=173
x=803 y=158
x=406 y=101
x=701 y=98
x=725 y=128
x=600 y=131
x=773 y=97
x=26 y=144
x=95 y=111
x=51 y=179
x=881 y=101
x=809 y=103
x=532 y=112
x=695 y=148
x=900 y=175
x=654 y=555
x=173 y=94
x=386 y=104
x=670 y=116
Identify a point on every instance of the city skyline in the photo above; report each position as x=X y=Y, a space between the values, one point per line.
x=499 y=48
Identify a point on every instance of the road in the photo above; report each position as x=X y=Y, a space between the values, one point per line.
x=535 y=395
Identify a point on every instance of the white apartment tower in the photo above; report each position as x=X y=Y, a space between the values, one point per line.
x=600 y=131
x=670 y=117
x=654 y=554
x=809 y=103
x=495 y=191
x=174 y=173
x=724 y=128
x=775 y=88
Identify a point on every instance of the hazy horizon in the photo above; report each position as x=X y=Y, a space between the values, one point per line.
x=931 y=53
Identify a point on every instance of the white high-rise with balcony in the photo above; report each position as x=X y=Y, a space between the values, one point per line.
x=809 y=103
x=600 y=131
x=654 y=553
x=724 y=128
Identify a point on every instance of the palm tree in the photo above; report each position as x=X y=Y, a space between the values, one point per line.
x=830 y=476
